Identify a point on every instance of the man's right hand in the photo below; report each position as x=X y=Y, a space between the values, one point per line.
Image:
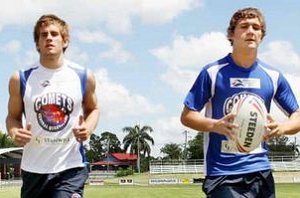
x=22 y=136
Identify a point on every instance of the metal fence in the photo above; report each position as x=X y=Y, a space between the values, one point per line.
x=176 y=166
x=278 y=163
x=6 y=184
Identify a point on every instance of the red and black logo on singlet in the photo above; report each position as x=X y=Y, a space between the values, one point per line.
x=53 y=111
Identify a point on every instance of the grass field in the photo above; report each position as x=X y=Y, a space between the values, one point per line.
x=166 y=191
x=111 y=188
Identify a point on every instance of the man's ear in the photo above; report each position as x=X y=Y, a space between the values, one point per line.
x=66 y=44
x=37 y=47
x=230 y=35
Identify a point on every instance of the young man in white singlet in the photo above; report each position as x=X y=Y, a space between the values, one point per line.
x=58 y=100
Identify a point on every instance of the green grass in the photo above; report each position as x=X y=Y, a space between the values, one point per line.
x=111 y=188
x=287 y=190
x=166 y=191
x=172 y=191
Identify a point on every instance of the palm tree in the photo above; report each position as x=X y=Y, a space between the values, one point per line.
x=172 y=151
x=137 y=140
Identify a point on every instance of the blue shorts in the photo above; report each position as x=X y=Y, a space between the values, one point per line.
x=252 y=185
x=68 y=183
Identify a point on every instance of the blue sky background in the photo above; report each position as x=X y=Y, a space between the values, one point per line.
x=146 y=53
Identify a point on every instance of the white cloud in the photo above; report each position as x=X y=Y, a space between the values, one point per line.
x=115 y=51
x=166 y=10
x=2 y=128
x=12 y=47
x=180 y=80
x=187 y=55
x=294 y=80
x=95 y=37
x=28 y=58
x=116 y=101
x=15 y=12
x=116 y=15
x=193 y=51
x=282 y=54
x=75 y=54
x=169 y=130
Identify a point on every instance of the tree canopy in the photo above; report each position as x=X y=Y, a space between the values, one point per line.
x=138 y=139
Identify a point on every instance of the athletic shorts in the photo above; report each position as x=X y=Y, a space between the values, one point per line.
x=252 y=185
x=65 y=184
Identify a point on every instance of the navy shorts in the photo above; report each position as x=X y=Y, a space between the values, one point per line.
x=65 y=184
x=252 y=185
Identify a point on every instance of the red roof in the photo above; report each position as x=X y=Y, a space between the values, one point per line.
x=124 y=156
x=118 y=159
x=105 y=163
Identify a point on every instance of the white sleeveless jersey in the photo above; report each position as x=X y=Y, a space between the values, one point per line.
x=53 y=103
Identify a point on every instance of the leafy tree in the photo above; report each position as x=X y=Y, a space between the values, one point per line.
x=172 y=151
x=295 y=147
x=95 y=152
x=195 y=149
x=5 y=140
x=110 y=143
x=145 y=162
x=280 y=146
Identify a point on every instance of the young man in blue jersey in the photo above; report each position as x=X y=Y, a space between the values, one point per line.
x=58 y=100
x=230 y=173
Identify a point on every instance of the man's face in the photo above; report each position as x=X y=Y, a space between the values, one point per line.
x=247 y=34
x=50 y=40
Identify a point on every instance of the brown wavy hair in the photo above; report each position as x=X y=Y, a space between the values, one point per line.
x=48 y=19
x=246 y=13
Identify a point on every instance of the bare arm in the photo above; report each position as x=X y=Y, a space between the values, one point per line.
x=89 y=120
x=194 y=120
x=14 y=124
x=289 y=127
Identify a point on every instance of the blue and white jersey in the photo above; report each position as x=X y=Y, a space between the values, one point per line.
x=217 y=88
x=52 y=104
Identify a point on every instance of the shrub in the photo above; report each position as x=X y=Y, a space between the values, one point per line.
x=124 y=172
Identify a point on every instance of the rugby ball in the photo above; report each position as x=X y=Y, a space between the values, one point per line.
x=251 y=117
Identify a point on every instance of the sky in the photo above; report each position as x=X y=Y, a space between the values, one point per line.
x=146 y=54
